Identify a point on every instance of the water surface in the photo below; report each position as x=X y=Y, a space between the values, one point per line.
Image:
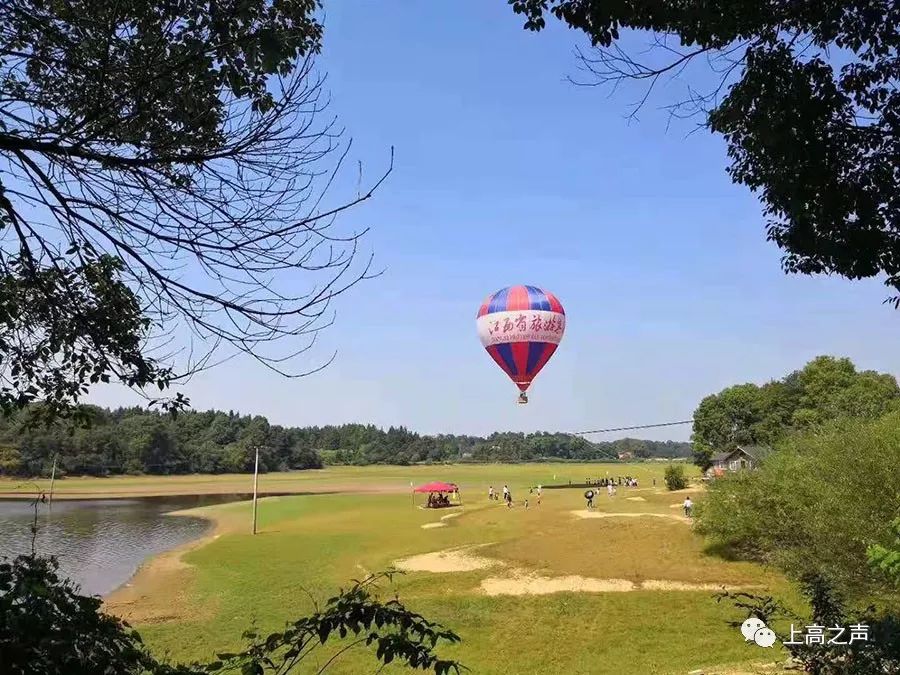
x=101 y=542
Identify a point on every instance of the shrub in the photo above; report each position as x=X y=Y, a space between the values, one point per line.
x=675 y=479
x=48 y=628
x=818 y=507
x=880 y=653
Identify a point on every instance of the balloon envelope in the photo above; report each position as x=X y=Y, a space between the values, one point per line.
x=521 y=327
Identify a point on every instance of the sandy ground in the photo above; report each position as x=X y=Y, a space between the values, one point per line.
x=534 y=584
x=450 y=560
x=602 y=514
x=635 y=499
x=524 y=583
x=517 y=581
x=166 y=578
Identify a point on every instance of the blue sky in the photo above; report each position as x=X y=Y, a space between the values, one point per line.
x=506 y=174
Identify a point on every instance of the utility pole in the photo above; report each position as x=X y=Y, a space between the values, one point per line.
x=255 y=486
x=52 y=479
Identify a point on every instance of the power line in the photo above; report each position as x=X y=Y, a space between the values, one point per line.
x=639 y=426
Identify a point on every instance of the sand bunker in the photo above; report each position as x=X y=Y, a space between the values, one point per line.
x=635 y=499
x=533 y=584
x=602 y=514
x=451 y=560
x=524 y=583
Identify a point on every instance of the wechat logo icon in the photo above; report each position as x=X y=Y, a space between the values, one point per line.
x=755 y=630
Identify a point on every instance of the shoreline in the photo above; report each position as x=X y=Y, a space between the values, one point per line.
x=164 y=572
x=194 y=491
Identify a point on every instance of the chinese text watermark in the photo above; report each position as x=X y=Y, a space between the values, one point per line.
x=755 y=630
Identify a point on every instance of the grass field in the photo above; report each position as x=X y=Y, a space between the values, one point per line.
x=380 y=479
x=635 y=590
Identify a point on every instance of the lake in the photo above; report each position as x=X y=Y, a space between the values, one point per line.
x=100 y=543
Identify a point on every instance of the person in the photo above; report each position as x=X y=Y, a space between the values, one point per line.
x=654 y=482
x=491 y=493
x=526 y=503
x=505 y=493
x=508 y=499
x=539 y=495
x=609 y=489
x=589 y=495
x=688 y=507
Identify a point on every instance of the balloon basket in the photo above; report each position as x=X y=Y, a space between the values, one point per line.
x=523 y=399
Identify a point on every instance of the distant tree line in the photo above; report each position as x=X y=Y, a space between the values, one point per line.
x=134 y=440
x=824 y=390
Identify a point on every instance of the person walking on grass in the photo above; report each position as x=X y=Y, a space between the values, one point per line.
x=589 y=495
x=491 y=495
x=539 y=495
x=505 y=493
x=688 y=507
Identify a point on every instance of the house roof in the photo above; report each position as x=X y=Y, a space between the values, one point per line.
x=756 y=452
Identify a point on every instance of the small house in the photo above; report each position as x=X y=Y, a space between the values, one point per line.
x=737 y=459
x=626 y=455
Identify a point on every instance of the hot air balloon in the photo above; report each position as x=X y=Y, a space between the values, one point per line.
x=520 y=327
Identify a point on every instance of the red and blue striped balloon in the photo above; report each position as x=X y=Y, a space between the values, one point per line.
x=521 y=327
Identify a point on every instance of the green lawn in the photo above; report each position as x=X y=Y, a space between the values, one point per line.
x=314 y=544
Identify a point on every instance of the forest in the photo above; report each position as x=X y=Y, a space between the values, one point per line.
x=135 y=441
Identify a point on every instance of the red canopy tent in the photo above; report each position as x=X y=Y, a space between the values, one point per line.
x=437 y=486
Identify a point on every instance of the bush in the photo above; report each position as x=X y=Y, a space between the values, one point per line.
x=880 y=653
x=817 y=507
x=48 y=628
x=675 y=479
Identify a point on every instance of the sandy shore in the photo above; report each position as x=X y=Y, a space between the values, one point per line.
x=166 y=577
